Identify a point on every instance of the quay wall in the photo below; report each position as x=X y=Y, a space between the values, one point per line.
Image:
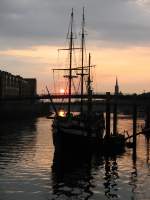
x=23 y=109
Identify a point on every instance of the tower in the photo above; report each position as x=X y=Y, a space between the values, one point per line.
x=116 y=87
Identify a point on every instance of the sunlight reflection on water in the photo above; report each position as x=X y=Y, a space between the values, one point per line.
x=27 y=170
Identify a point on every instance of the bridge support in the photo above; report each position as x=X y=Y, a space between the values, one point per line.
x=107 y=114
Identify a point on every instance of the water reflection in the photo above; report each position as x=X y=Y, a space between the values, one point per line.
x=75 y=176
x=133 y=178
x=111 y=176
x=28 y=169
x=14 y=143
x=71 y=176
x=101 y=176
x=26 y=155
x=148 y=150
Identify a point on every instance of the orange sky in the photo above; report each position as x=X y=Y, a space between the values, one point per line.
x=130 y=64
x=118 y=37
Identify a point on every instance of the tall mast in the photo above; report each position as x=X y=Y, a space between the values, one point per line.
x=70 y=63
x=89 y=85
x=89 y=73
x=82 y=61
x=71 y=37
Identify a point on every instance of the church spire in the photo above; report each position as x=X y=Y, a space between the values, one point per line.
x=116 y=87
x=116 y=81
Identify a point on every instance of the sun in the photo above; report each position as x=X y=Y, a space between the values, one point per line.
x=62 y=91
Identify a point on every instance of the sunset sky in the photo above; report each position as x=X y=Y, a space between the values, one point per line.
x=118 y=38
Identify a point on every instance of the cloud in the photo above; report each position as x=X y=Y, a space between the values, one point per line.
x=32 y=30
x=38 y=22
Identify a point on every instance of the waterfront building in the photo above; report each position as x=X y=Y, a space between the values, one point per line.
x=16 y=86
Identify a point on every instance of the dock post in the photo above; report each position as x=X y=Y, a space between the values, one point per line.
x=115 y=119
x=147 y=118
x=134 y=124
x=107 y=114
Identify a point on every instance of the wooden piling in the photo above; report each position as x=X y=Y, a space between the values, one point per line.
x=147 y=118
x=107 y=114
x=115 y=119
x=134 y=124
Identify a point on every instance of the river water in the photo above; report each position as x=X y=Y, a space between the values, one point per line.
x=28 y=172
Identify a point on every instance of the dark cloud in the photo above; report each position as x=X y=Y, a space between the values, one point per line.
x=34 y=22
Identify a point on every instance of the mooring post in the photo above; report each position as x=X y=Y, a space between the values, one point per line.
x=147 y=118
x=115 y=119
x=107 y=114
x=134 y=124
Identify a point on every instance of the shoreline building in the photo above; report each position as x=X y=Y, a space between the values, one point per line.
x=16 y=86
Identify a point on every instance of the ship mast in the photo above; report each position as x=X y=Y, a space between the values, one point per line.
x=70 y=75
x=82 y=59
x=70 y=63
x=89 y=89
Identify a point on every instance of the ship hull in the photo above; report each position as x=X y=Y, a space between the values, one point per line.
x=79 y=131
x=74 y=134
x=63 y=139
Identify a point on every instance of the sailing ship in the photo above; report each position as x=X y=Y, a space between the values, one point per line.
x=87 y=127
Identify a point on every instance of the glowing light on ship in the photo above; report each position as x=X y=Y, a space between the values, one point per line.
x=61 y=113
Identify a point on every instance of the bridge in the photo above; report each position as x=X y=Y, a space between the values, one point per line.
x=110 y=101
x=125 y=99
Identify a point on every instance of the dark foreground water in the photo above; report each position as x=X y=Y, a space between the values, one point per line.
x=27 y=170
